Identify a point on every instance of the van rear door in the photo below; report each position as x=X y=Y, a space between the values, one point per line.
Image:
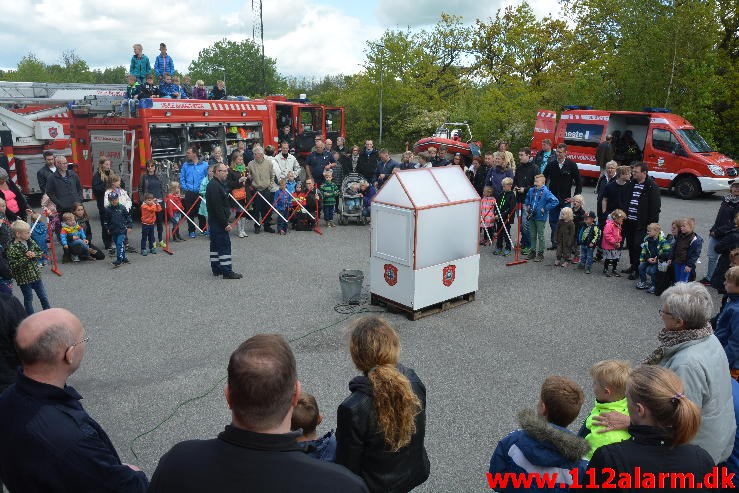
x=546 y=123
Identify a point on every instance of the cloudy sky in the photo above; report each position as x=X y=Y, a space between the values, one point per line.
x=307 y=37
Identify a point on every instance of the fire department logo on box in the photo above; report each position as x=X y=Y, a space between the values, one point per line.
x=391 y=274
x=448 y=274
x=53 y=132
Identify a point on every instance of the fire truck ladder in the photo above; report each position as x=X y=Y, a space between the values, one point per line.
x=129 y=151
x=33 y=92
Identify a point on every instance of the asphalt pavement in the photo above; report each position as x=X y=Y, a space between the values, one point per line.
x=162 y=328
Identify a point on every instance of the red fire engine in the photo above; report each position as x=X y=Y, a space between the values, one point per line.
x=162 y=130
x=678 y=157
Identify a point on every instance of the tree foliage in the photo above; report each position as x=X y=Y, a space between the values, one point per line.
x=71 y=68
x=240 y=62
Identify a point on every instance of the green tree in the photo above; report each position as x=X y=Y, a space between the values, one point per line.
x=241 y=65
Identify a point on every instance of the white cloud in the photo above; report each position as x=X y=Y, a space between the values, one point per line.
x=428 y=12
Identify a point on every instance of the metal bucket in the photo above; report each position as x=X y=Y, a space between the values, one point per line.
x=351 y=285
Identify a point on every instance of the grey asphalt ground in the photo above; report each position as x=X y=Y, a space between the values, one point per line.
x=162 y=328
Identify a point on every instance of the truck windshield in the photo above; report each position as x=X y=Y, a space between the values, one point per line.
x=695 y=142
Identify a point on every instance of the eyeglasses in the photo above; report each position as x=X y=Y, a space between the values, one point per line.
x=665 y=312
x=79 y=342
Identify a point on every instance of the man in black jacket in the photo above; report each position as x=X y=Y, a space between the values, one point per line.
x=219 y=209
x=49 y=169
x=63 y=186
x=522 y=181
x=257 y=451
x=642 y=209
x=561 y=175
x=43 y=422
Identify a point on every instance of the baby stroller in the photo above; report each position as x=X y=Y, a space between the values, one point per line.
x=350 y=201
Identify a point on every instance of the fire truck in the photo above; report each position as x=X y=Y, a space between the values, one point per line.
x=162 y=129
x=678 y=157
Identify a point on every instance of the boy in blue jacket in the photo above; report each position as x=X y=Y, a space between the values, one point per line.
x=118 y=223
x=543 y=445
x=539 y=201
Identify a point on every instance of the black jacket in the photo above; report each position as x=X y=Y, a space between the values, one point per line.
x=42 y=176
x=11 y=314
x=20 y=198
x=117 y=219
x=151 y=184
x=240 y=460
x=367 y=164
x=478 y=181
x=650 y=203
x=724 y=246
x=649 y=448
x=44 y=424
x=217 y=202
x=725 y=217
x=362 y=449
x=64 y=191
x=524 y=177
x=560 y=181
x=98 y=189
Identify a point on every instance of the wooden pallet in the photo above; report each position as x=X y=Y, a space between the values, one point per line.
x=395 y=307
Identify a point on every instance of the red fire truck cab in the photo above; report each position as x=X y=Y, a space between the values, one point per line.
x=163 y=129
x=678 y=157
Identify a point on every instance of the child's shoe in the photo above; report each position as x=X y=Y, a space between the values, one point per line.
x=525 y=251
x=531 y=255
x=615 y=273
x=116 y=264
x=576 y=260
x=162 y=244
x=641 y=285
x=153 y=251
x=539 y=257
x=506 y=253
x=144 y=252
x=130 y=249
x=587 y=270
x=75 y=258
x=497 y=251
x=650 y=289
x=556 y=263
x=126 y=261
x=193 y=234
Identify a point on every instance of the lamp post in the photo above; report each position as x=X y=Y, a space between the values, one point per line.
x=382 y=52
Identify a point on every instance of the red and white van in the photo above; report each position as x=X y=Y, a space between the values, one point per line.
x=678 y=157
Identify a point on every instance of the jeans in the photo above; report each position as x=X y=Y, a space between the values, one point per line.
x=553 y=220
x=366 y=211
x=586 y=255
x=78 y=247
x=537 y=235
x=712 y=256
x=328 y=212
x=647 y=269
x=281 y=223
x=120 y=246
x=220 y=250
x=28 y=289
x=680 y=274
x=147 y=235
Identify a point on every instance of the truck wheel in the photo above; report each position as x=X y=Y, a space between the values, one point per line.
x=687 y=187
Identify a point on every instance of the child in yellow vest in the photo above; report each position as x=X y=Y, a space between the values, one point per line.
x=609 y=386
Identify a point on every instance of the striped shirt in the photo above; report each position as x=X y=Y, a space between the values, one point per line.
x=634 y=202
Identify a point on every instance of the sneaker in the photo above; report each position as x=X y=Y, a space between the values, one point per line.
x=650 y=290
x=130 y=249
x=204 y=233
x=193 y=235
x=606 y=273
x=705 y=281
x=616 y=274
x=75 y=258
x=144 y=252
x=153 y=251
x=525 y=251
x=232 y=275
x=575 y=260
x=497 y=251
x=506 y=253
x=242 y=234
x=641 y=285
x=116 y=264
x=531 y=255
x=539 y=257
x=587 y=270
x=126 y=261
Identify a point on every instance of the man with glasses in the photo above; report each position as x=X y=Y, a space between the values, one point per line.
x=219 y=209
x=561 y=174
x=49 y=442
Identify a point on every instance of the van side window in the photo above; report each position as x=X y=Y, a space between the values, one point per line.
x=583 y=134
x=663 y=140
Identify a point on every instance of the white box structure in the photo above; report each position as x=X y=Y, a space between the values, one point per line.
x=425 y=238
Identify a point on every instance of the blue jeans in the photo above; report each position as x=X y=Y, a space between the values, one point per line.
x=586 y=255
x=328 y=212
x=680 y=274
x=120 y=247
x=28 y=289
x=147 y=235
x=553 y=220
x=78 y=247
x=366 y=211
x=281 y=223
x=647 y=269
x=220 y=250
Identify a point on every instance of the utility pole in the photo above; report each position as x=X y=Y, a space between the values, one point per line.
x=257 y=35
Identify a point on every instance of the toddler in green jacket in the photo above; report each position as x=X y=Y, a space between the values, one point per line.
x=609 y=386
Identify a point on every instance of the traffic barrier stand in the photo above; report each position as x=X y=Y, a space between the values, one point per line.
x=243 y=210
x=185 y=216
x=271 y=207
x=317 y=228
x=517 y=260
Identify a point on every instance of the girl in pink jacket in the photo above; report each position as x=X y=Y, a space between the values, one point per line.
x=612 y=241
x=487 y=217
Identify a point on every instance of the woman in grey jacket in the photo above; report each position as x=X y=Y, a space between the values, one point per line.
x=689 y=348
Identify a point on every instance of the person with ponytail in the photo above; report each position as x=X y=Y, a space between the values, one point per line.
x=663 y=422
x=381 y=426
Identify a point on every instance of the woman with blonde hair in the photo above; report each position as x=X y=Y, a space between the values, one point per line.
x=381 y=426
x=663 y=422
